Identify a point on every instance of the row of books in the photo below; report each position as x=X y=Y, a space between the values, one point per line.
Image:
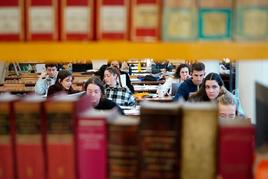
x=63 y=137
x=136 y=20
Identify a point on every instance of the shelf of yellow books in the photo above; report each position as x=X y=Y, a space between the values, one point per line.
x=68 y=51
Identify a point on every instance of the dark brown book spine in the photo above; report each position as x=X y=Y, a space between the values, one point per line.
x=159 y=136
x=123 y=151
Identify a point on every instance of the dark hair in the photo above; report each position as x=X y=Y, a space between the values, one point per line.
x=100 y=72
x=110 y=62
x=57 y=87
x=178 y=70
x=198 y=66
x=114 y=71
x=201 y=95
x=62 y=74
x=51 y=65
x=96 y=81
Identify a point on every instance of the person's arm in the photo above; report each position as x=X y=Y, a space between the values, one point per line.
x=129 y=85
x=165 y=87
x=182 y=92
x=131 y=98
x=41 y=87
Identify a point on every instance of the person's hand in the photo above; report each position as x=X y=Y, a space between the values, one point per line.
x=43 y=75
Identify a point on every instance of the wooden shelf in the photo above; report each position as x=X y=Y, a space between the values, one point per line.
x=68 y=51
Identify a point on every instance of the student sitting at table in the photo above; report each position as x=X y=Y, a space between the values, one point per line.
x=172 y=84
x=227 y=104
x=94 y=88
x=113 y=89
x=63 y=84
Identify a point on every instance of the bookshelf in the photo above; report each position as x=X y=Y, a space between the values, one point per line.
x=123 y=50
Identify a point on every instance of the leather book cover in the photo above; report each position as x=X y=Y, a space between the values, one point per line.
x=7 y=154
x=61 y=112
x=77 y=19
x=12 y=20
x=91 y=143
x=251 y=22
x=123 y=147
x=112 y=19
x=179 y=20
x=236 y=148
x=159 y=140
x=30 y=152
x=42 y=20
x=215 y=20
x=199 y=140
x=145 y=20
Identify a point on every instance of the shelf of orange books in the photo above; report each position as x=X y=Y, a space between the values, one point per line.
x=68 y=51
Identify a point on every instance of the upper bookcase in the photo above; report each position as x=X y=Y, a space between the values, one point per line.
x=68 y=51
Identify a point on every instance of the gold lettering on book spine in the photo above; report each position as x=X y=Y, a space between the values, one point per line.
x=29 y=172
x=60 y=171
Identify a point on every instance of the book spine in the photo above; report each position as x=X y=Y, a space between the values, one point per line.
x=91 y=140
x=123 y=151
x=112 y=19
x=60 y=140
x=7 y=153
x=29 y=147
x=159 y=136
x=236 y=148
x=145 y=20
x=76 y=19
x=12 y=20
x=215 y=20
x=179 y=21
x=199 y=135
x=251 y=22
x=42 y=20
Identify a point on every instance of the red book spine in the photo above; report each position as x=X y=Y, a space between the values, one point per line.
x=12 y=20
x=112 y=19
x=60 y=139
x=76 y=20
x=61 y=159
x=236 y=149
x=29 y=162
x=91 y=140
x=7 y=156
x=42 y=20
x=145 y=20
x=29 y=143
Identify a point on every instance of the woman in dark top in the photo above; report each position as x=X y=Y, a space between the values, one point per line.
x=211 y=88
x=95 y=89
x=63 y=84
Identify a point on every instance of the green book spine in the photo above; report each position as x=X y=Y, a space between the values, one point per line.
x=215 y=23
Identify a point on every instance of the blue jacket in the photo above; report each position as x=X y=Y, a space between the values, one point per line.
x=185 y=89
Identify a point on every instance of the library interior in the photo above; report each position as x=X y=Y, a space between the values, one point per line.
x=133 y=89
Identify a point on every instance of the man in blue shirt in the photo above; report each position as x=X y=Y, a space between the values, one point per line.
x=46 y=79
x=192 y=84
